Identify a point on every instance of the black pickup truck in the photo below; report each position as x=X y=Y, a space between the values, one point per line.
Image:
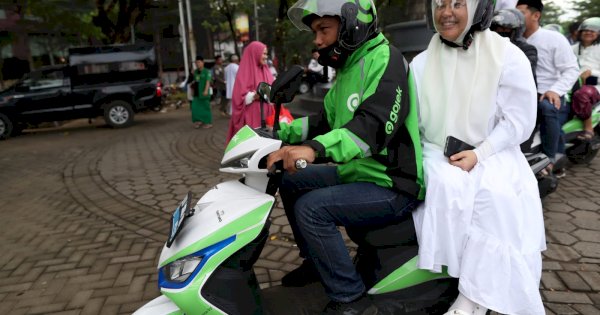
x=110 y=81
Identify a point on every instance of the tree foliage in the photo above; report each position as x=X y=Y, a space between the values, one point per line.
x=586 y=9
x=116 y=17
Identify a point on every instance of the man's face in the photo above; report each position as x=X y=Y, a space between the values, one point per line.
x=450 y=18
x=219 y=61
x=325 y=30
x=315 y=55
x=532 y=20
x=588 y=37
x=200 y=64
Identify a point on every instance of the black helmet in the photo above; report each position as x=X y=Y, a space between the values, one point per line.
x=482 y=18
x=509 y=18
x=358 y=18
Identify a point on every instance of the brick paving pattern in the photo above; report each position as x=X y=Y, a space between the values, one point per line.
x=84 y=212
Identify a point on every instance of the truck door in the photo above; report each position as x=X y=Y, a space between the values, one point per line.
x=44 y=95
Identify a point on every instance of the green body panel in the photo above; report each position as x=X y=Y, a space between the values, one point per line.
x=407 y=275
x=188 y=299
x=242 y=135
x=576 y=125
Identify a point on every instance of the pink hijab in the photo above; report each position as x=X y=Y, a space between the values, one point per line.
x=249 y=75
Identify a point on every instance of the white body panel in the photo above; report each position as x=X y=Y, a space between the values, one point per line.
x=159 y=306
x=220 y=206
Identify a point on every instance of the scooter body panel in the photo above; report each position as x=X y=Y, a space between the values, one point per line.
x=225 y=219
x=224 y=211
x=159 y=306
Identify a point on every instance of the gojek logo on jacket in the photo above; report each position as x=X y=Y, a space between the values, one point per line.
x=389 y=125
x=352 y=102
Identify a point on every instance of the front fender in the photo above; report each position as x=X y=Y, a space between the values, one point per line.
x=159 y=306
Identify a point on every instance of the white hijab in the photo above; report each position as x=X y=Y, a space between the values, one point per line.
x=460 y=86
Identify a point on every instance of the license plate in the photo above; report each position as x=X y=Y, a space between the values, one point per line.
x=178 y=218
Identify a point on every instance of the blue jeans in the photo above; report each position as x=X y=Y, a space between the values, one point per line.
x=316 y=201
x=553 y=138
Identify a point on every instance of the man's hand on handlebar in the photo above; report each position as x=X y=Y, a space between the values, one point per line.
x=289 y=155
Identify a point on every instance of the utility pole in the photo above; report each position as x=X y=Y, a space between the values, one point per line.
x=191 y=30
x=182 y=33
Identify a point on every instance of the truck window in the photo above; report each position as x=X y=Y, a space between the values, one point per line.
x=44 y=79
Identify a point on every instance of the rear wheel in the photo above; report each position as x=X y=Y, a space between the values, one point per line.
x=118 y=114
x=6 y=127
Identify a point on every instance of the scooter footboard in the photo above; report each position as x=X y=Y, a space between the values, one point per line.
x=159 y=306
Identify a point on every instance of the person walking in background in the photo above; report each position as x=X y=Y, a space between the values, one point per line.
x=199 y=82
x=245 y=104
x=230 y=72
x=482 y=216
x=219 y=85
x=556 y=72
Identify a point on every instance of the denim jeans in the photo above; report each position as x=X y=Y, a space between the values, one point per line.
x=316 y=201
x=553 y=138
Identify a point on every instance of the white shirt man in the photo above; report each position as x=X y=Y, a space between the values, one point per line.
x=230 y=73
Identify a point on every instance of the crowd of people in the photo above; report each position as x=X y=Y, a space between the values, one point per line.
x=488 y=77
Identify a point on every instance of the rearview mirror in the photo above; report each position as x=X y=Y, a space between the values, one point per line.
x=264 y=91
x=286 y=86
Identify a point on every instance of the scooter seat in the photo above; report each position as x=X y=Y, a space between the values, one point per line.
x=400 y=233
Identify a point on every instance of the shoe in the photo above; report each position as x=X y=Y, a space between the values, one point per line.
x=560 y=173
x=301 y=276
x=360 y=306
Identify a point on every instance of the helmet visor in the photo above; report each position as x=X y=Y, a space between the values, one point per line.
x=304 y=8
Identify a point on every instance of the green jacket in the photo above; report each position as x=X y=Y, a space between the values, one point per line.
x=369 y=125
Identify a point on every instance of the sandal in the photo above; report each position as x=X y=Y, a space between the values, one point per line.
x=585 y=135
x=207 y=126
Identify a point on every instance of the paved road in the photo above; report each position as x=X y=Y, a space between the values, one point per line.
x=84 y=211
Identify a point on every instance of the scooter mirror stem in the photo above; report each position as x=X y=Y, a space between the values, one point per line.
x=276 y=126
x=263 y=123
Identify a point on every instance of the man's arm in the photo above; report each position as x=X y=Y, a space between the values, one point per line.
x=376 y=120
x=304 y=128
x=566 y=64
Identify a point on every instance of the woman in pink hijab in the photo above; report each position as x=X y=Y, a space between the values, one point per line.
x=245 y=104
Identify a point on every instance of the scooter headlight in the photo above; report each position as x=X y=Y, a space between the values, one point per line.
x=181 y=269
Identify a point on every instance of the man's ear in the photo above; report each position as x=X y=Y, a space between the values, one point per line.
x=537 y=15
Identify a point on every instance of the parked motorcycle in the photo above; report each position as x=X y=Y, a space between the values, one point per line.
x=206 y=265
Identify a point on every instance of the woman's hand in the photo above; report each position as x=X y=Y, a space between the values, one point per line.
x=585 y=74
x=205 y=93
x=466 y=160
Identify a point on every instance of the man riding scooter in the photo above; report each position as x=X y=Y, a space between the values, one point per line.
x=368 y=127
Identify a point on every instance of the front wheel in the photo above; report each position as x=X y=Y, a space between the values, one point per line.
x=118 y=114
x=6 y=127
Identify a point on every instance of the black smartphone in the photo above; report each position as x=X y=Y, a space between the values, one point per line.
x=454 y=146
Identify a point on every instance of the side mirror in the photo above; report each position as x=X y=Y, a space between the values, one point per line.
x=264 y=91
x=286 y=86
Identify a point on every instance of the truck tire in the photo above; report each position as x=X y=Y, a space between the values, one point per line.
x=6 y=127
x=118 y=114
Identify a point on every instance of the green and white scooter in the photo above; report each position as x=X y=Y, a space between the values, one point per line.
x=206 y=265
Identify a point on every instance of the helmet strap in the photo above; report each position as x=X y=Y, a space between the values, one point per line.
x=333 y=56
x=466 y=43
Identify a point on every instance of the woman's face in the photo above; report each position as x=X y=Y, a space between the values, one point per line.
x=588 y=37
x=451 y=18
x=263 y=58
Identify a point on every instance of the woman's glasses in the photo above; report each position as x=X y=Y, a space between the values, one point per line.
x=453 y=5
